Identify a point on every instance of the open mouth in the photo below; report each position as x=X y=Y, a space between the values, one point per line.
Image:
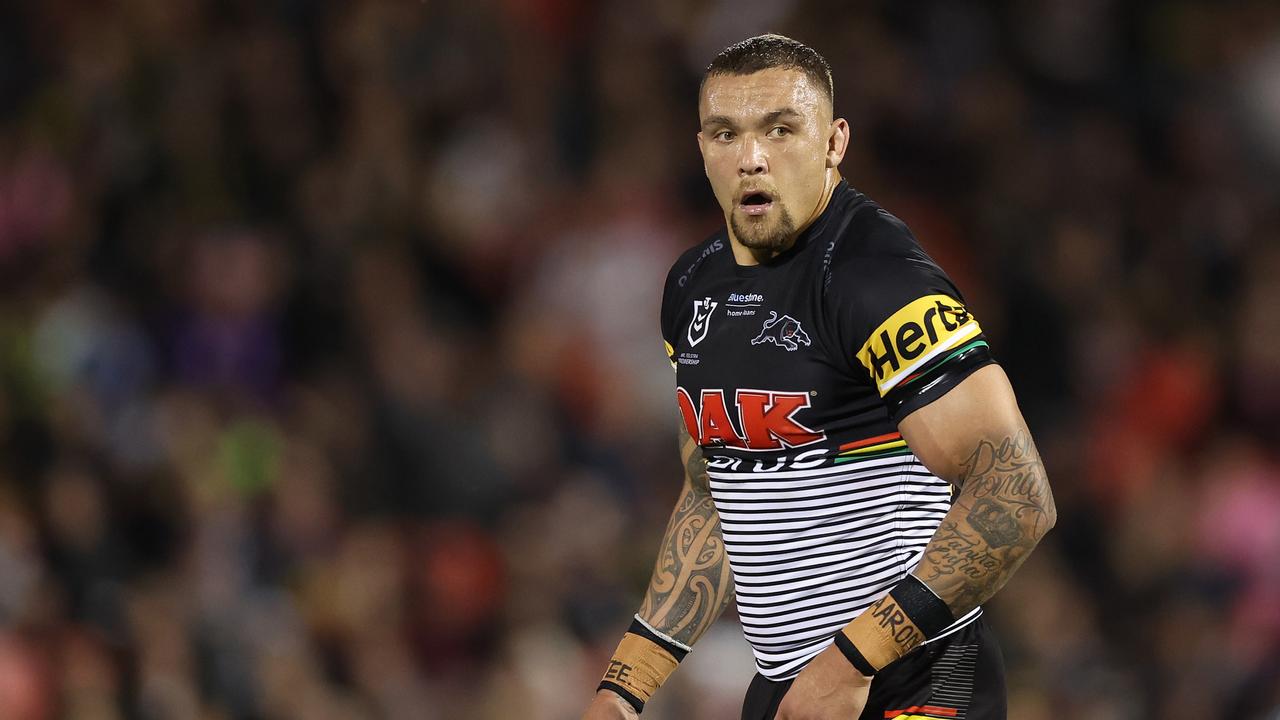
x=756 y=202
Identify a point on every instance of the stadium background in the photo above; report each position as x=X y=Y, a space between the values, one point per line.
x=330 y=376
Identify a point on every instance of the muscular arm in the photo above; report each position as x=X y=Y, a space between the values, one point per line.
x=691 y=585
x=975 y=438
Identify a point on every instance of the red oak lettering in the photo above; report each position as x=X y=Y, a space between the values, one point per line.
x=716 y=427
x=767 y=419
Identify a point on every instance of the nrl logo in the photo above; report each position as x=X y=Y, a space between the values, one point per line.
x=782 y=331
x=700 y=323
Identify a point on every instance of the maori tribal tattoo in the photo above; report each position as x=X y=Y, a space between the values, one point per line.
x=1002 y=509
x=691 y=583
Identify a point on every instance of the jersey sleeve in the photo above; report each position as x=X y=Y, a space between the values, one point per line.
x=903 y=324
x=670 y=304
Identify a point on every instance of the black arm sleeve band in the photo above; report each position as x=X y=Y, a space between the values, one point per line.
x=937 y=380
x=926 y=609
x=638 y=628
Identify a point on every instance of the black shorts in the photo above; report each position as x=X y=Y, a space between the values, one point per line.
x=959 y=677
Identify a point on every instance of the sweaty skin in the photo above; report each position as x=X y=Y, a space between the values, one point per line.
x=772 y=132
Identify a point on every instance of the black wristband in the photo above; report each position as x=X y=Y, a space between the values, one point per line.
x=925 y=609
x=632 y=700
x=638 y=628
x=853 y=655
x=644 y=659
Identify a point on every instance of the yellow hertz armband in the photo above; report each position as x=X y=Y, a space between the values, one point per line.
x=642 y=662
x=919 y=332
x=671 y=353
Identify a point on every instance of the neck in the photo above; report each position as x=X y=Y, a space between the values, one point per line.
x=744 y=255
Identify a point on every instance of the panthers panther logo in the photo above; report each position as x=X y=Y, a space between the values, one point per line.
x=782 y=331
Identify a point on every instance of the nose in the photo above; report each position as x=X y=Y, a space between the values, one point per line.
x=753 y=160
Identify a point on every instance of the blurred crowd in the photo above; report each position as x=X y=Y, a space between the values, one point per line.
x=330 y=376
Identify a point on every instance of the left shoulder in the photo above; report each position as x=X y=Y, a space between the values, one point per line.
x=873 y=251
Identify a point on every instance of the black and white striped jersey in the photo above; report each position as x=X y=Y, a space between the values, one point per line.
x=792 y=376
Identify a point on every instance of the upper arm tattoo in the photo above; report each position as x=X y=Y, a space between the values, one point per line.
x=691 y=583
x=695 y=465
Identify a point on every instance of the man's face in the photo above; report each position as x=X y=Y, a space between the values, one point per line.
x=767 y=142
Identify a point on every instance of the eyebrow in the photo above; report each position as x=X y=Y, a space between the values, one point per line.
x=777 y=114
x=713 y=120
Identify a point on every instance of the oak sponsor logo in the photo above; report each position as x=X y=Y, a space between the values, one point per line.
x=911 y=337
x=766 y=420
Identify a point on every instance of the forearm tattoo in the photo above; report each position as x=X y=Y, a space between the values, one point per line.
x=1003 y=508
x=691 y=583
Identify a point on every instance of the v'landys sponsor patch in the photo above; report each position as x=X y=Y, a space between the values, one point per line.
x=911 y=337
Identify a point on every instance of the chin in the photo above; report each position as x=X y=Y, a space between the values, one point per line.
x=770 y=242
x=770 y=235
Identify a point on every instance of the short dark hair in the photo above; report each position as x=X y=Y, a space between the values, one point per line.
x=763 y=52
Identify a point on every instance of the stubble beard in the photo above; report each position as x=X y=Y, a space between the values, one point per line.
x=756 y=235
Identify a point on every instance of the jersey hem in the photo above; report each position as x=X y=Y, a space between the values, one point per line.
x=965 y=620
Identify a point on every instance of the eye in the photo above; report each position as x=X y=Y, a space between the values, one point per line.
x=724 y=135
x=779 y=131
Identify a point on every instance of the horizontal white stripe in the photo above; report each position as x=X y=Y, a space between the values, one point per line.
x=793 y=634
x=865 y=543
x=846 y=468
x=835 y=486
x=753 y=548
x=802 y=639
x=754 y=545
x=791 y=669
x=785 y=490
x=754 y=552
x=899 y=482
x=866 y=591
x=790 y=535
x=837 y=569
x=762 y=532
x=778 y=597
x=870 y=504
x=813 y=562
x=844 y=607
x=887 y=497
x=846 y=513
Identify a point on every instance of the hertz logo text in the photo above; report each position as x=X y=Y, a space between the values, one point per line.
x=914 y=335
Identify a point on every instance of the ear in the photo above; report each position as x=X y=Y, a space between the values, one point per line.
x=837 y=142
x=702 y=150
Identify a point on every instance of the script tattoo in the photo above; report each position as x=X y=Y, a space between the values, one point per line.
x=1003 y=508
x=691 y=583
